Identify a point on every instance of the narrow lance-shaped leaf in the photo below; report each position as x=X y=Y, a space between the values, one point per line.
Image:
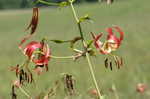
x=73 y=41
x=63 y=4
x=60 y=41
x=89 y=43
x=84 y=18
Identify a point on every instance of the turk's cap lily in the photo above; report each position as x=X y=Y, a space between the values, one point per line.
x=112 y=42
x=43 y=55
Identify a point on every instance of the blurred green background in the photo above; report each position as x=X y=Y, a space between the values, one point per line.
x=131 y=15
x=14 y=4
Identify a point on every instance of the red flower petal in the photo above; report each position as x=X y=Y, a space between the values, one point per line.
x=43 y=56
x=112 y=42
x=43 y=59
x=97 y=43
x=118 y=29
x=113 y=38
x=31 y=47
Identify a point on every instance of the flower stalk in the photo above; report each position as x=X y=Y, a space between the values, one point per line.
x=84 y=46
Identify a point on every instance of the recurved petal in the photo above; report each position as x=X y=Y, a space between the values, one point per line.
x=97 y=42
x=113 y=39
x=43 y=59
x=118 y=29
x=31 y=47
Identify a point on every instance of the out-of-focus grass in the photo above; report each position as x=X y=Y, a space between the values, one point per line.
x=132 y=15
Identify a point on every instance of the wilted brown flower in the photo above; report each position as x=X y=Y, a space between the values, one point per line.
x=13 y=93
x=69 y=84
x=34 y=21
x=33 y=25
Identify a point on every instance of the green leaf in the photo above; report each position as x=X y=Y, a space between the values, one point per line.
x=89 y=43
x=84 y=18
x=72 y=1
x=59 y=41
x=47 y=3
x=73 y=41
x=63 y=4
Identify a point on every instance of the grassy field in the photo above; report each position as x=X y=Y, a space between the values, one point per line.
x=132 y=15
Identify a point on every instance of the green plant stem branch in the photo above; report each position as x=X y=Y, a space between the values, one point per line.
x=25 y=93
x=47 y=3
x=62 y=57
x=87 y=54
x=77 y=20
x=26 y=65
x=93 y=75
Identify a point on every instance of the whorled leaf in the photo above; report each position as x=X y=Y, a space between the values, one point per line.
x=59 y=41
x=46 y=3
x=74 y=40
x=89 y=43
x=72 y=1
x=63 y=4
x=84 y=18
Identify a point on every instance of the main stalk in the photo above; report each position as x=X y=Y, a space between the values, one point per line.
x=84 y=46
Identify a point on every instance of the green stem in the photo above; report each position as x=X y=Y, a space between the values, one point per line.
x=74 y=12
x=47 y=3
x=77 y=20
x=26 y=65
x=62 y=57
x=93 y=75
x=87 y=54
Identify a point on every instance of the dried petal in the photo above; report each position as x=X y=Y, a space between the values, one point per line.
x=69 y=83
x=16 y=69
x=14 y=95
x=121 y=61
x=34 y=21
x=110 y=64
x=106 y=62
